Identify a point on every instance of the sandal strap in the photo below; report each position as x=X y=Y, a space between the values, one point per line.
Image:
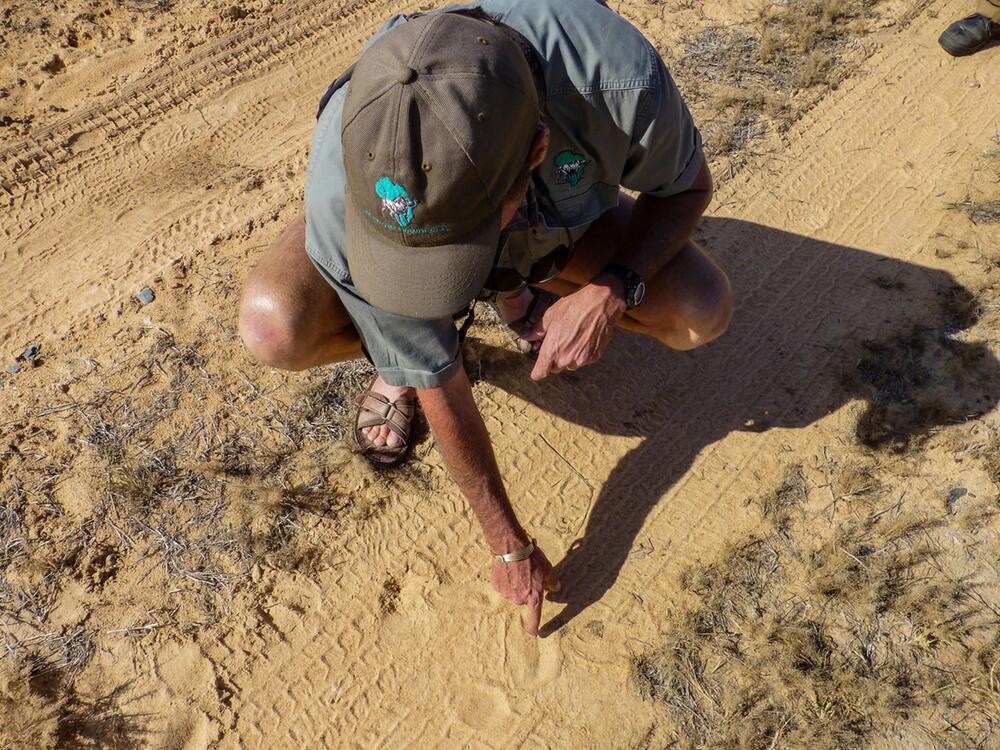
x=528 y=320
x=376 y=410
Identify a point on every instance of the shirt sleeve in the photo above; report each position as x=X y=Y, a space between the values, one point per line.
x=665 y=154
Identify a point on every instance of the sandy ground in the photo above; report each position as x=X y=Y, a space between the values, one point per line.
x=194 y=558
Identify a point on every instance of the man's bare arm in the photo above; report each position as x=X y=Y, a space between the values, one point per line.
x=660 y=227
x=576 y=330
x=463 y=441
x=465 y=445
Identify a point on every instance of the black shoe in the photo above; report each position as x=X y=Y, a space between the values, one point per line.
x=968 y=35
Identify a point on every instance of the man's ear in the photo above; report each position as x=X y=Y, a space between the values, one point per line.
x=539 y=146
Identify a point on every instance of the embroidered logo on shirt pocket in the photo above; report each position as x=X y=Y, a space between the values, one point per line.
x=570 y=167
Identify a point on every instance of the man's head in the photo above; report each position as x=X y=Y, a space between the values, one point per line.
x=440 y=130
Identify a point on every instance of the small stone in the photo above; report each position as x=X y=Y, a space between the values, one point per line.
x=14 y=369
x=29 y=354
x=956 y=494
x=145 y=295
x=235 y=13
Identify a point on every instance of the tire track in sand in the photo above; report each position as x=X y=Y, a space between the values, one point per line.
x=119 y=206
x=241 y=54
x=805 y=235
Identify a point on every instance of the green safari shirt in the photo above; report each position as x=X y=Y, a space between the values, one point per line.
x=616 y=120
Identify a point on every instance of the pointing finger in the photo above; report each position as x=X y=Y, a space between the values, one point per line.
x=543 y=365
x=534 y=616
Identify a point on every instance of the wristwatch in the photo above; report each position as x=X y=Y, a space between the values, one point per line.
x=635 y=288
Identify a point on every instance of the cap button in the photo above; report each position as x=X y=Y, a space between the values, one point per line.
x=405 y=74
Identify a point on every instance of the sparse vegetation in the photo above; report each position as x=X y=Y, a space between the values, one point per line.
x=922 y=381
x=826 y=640
x=174 y=500
x=857 y=480
x=57 y=717
x=979 y=211
x=741 y=81
x=790 y=494
x=984 y=210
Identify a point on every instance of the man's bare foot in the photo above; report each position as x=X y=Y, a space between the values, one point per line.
x=381 y=435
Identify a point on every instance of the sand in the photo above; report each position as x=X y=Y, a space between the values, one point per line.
x=324 y=605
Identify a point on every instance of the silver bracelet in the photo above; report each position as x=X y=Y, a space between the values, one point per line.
x=519 y=554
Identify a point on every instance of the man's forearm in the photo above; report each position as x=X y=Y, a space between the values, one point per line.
x=463 y=441
x=660 y=227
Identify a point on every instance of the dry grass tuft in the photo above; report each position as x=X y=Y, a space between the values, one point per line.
x=991 y=458
x=985 y=211
x=857 y=479
x=925 y=380
x=46 y=717
x=741 y=80
x=980 y=212
x=791 y=494
x=826 y=642
x=177 y=517
x=325 y=408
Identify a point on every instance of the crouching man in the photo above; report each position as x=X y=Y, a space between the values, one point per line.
x=481 y=152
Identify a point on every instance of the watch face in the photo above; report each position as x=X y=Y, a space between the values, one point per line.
x=638 y=294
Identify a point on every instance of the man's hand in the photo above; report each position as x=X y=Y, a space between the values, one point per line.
x=524 y=583
x=577 y=329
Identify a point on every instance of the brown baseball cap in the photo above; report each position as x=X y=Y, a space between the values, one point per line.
x=440 y=116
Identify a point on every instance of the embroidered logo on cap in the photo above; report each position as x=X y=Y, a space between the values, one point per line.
x=396 y=202
x=570 y=167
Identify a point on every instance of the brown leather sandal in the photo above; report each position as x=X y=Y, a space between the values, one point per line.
x=374 y=410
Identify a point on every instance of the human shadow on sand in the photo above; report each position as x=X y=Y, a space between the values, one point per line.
x=816 y=325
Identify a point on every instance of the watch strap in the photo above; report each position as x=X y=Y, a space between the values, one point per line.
x=630 y=278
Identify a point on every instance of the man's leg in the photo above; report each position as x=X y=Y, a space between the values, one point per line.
x=292 y=319
x=688 y=303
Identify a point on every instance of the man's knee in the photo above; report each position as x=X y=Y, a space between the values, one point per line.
x=704 y=314
x=717 y=311
x=268 y=331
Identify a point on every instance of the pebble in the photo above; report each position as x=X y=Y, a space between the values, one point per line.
x=956 y=494
x=29 y=354
x=145 y=295
x=14 y=369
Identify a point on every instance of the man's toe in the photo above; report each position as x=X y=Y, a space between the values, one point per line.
x=374 y=434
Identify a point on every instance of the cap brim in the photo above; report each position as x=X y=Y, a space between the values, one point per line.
x=418 y=282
